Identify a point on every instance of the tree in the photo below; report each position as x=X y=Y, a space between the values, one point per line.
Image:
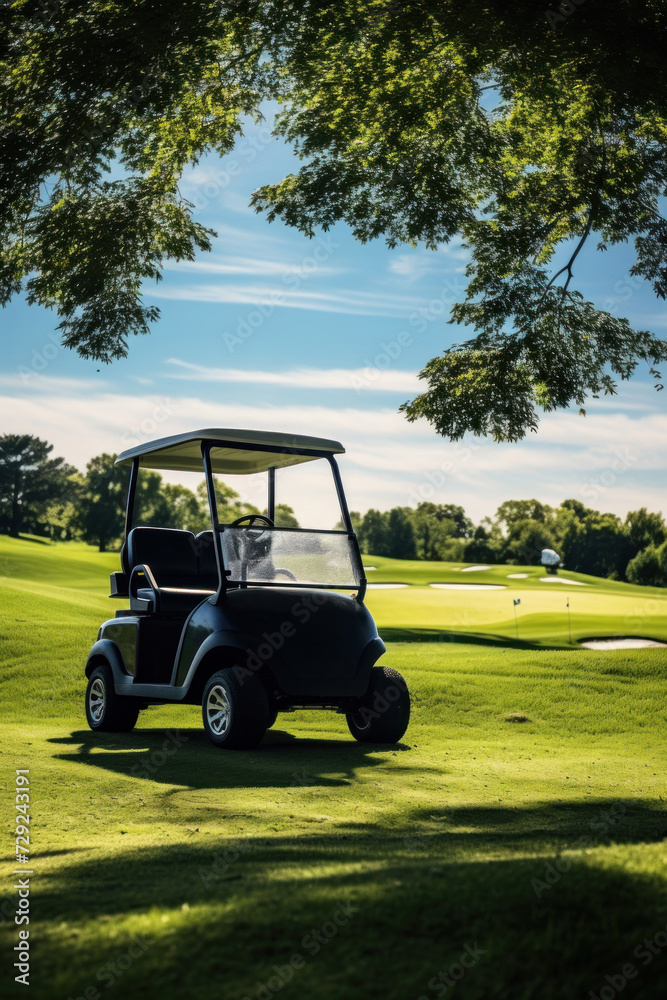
x=101 y=512
x=433 y=530
x=171 y=505
x=484 y=547
x=512 y=511
x=649 y=567
x=285 y=517
x=452 y=512
x=644 y=528
x=517 y=128
x=30 y=481
x=525 y=541
x=596 y=544
x=400 y=534
x=374 y=533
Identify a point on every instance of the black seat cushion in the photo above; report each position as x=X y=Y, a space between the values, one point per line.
x=172 y=557
x=170 y=553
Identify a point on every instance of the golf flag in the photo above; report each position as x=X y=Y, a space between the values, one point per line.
x=517 y=600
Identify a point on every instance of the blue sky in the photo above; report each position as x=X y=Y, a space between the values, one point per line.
x=326 y=336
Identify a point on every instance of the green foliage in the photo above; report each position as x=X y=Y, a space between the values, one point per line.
x=645 y=528
x=649 y=567
x=387 y=109
x=415 y=122
x=401 y=533
x=30 y=483
x=285 y=517
x=101 y=509
x=100 y=89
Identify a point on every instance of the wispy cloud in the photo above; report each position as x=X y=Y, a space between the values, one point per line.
x=415 y=264
x=302 y=378
x=342 y=301
x=253 y=266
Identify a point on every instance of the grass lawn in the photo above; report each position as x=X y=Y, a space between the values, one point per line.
x=479 y=858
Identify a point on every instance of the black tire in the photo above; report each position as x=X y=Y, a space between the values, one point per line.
x=384 y=715
x=273 y=715
x=106 y=711
x=235 y=709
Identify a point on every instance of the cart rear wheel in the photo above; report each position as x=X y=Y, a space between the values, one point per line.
x=235 y=709
x=385 y=712
x=106 y=711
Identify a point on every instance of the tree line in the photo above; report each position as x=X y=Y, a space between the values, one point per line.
x=588 y=541
x=45 y=496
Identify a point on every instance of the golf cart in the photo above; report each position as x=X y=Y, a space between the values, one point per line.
x=248 y=619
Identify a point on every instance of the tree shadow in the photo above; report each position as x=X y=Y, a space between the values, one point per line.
x=392 y=905
x=186 y=757
x=489 y=639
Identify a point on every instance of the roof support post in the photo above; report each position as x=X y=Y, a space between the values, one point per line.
x=271 y=505
x=213 y=505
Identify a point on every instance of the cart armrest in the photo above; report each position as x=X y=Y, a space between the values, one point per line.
x=142 y=576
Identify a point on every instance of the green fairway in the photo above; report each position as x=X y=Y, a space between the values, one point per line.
x=479 y=858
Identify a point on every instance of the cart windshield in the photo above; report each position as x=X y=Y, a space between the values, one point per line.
x=258 y=554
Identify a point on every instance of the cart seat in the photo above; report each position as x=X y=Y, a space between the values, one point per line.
x=164 y=571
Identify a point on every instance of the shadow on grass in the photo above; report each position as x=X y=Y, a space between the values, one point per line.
x=33 y=539
x=186 y=757
x=471 y=638
x=414 y=895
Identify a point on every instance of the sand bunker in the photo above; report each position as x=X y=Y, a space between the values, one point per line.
x=560 y=579
x=386 y=586
x=474 y=569
x=468 y=586
x=370 y=567
x=621 y=643
x=517 y=576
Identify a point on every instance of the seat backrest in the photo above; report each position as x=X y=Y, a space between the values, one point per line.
x=170 y=553
x=208 y=566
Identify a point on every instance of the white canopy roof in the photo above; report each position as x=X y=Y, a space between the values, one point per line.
x=233 y=451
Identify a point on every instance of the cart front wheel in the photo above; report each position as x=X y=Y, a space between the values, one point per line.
x=385 y=712
x=106 y=711
x=235 y=709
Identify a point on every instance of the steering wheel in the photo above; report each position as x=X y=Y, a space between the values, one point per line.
x=252 y=518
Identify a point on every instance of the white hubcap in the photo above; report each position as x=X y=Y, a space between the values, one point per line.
x=218 y=710
x=97 y=700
